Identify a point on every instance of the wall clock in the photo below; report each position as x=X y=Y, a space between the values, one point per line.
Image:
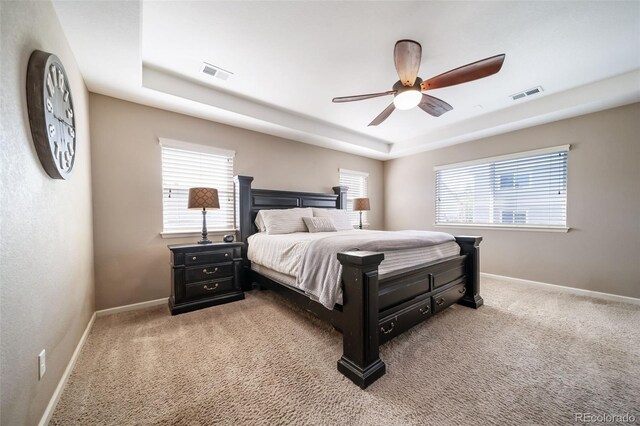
x=51 y=114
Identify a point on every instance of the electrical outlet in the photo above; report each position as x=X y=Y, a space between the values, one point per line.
x=42 y=363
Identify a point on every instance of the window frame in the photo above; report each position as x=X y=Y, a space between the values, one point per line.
x=503 y=226
x=198 y=148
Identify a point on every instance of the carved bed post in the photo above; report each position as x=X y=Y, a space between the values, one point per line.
x=243 y=192
x=341 y=192
x=360 y=360
x=471 y=247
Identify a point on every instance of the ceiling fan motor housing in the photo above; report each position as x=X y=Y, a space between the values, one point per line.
x=399 y=87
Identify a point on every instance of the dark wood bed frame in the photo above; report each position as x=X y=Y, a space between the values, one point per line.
x=374 y=310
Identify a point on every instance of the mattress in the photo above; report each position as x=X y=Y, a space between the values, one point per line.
x=280 y=257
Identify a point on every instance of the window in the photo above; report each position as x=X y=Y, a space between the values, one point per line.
x=186 y=165
x=357 y=183
x=520 y=190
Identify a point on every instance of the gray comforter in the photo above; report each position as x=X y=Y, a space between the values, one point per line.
x=320 y=271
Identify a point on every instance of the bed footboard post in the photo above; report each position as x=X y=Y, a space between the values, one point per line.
x=471 y=247
x=360 y=360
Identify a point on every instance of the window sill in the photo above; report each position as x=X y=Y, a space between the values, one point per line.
x=505 y=227
x=185 y=234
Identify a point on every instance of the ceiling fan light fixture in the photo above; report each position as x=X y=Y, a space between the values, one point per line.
x=407 y=99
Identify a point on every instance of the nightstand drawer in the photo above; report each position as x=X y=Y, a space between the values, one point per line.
x=220 y=255
x=208 y=272
x=208 y=289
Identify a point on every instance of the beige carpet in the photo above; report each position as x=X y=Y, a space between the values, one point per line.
x=529 y=356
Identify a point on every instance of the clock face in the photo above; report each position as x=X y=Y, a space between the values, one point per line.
x=51 y=114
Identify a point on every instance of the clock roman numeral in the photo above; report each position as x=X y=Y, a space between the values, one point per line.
x=50 y=87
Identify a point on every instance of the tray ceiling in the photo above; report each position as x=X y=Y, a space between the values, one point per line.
x=290 y=58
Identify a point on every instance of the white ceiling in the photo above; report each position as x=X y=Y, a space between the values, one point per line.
x=289 y=58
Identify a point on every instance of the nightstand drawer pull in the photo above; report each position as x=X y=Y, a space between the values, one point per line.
x=204 y=271
x=226 y=255
x=440 y=301
x=194 y=258
x=206 y=287
x=425 y=310
x=462 y=290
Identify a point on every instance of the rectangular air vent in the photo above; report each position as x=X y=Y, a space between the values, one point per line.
x=528 y=92
x=216 y=72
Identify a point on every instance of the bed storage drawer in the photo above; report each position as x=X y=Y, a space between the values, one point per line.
x=448 y=297
x=403 y=318
x=208 y=272
x=208 y=289
x=449 y=271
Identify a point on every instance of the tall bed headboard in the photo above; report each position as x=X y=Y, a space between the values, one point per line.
x=249 y=201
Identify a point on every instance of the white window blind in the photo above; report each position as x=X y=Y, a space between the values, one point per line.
x=186 y=166
x=520 y=190
x=357 y=183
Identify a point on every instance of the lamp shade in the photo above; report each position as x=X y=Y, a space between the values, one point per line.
x=360 y=204
x=203 y=198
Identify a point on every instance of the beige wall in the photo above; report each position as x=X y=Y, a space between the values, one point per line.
x=602 y=250
x=131 y=259
x=46 y=258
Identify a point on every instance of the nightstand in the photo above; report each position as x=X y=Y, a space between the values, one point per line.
x=204 y=275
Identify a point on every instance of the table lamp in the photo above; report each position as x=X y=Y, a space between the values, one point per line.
x=360 y=205
x=203 y=198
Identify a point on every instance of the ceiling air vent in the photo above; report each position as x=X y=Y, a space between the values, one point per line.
x=216 y=72
x=528 y=92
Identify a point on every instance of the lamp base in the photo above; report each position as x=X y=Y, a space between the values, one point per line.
x=204 y=239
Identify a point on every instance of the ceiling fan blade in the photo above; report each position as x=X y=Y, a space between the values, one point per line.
x=407 y=55
x=465 y=73
x=383 y=115
x=361 y=97
x=434 y=106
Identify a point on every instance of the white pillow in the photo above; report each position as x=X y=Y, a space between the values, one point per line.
x=260 y=222
x=340 y=218
x=319 y=224
x=285 y=221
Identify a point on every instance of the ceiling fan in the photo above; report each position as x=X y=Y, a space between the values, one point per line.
x=407 y=91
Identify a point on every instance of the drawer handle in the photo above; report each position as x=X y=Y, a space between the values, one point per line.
x=462 y=290
x=206 y=287
x=193 y=258
x=226 y=255
x=425 y=310
x=440 y=301
x=210 y=272
x=393 y=324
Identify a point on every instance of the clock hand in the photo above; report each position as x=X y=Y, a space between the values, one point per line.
x=62 y=120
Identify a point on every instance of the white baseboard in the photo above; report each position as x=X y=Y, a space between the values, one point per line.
x=131 y=307
x=48 y=412
x=572 y=290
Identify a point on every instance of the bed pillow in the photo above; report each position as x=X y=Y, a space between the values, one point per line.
x=285 y=221
x=319 y=224
x=339 y=217
x=260 y=222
